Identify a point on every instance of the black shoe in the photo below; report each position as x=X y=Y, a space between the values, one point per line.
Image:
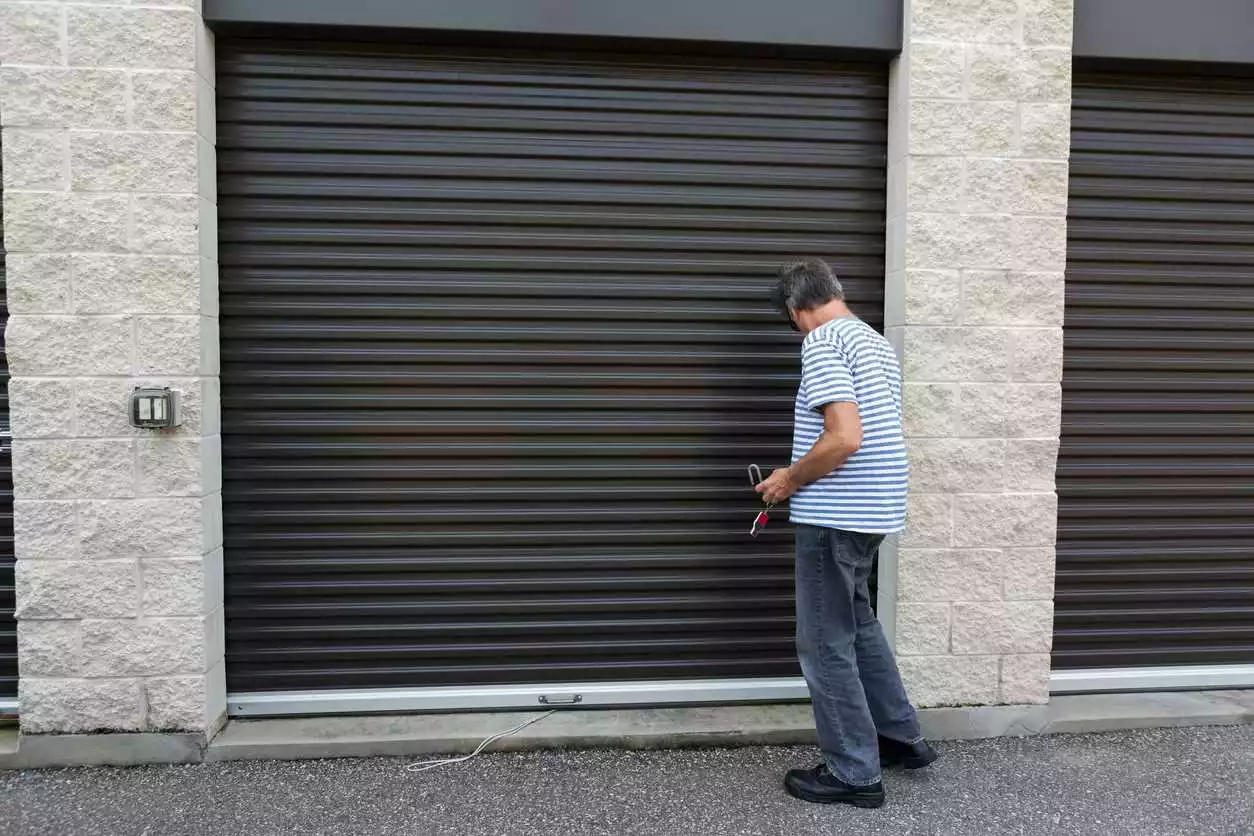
x=822 y=787
x=909 y=755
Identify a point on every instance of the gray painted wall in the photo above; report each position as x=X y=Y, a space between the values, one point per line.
x=846 y=24
x=1166 y=30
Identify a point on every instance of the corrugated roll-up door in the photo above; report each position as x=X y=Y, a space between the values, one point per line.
x=1156 y=475
x=8 y=628
x=496 y=353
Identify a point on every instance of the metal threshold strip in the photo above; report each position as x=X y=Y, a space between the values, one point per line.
x=709 y=692
x=1192 y=678
x=517 y=697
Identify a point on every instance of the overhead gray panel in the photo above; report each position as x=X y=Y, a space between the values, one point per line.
x=873 y=25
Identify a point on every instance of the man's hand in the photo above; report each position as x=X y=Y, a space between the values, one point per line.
x=777 y=487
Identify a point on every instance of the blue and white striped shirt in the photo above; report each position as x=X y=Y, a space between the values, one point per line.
x=847 y=360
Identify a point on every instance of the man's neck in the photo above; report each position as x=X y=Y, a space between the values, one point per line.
x=835 y=309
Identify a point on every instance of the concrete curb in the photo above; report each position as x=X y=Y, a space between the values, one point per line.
x=43 y=751
x=8 y=743
x=459 y=733
x=729 y=726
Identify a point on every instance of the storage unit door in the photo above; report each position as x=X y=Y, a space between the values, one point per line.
x=1156 y=475
x=8 y=628
x=497 y=351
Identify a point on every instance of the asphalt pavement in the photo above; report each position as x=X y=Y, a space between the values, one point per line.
x=1178 y=781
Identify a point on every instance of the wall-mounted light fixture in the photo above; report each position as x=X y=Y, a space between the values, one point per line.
x=155 y=409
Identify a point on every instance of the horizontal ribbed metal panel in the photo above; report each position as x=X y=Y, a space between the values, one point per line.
x=8 y=628
x=1156 y=473
x=496 y=352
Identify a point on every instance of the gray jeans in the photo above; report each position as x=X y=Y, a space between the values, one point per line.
x=848 y=665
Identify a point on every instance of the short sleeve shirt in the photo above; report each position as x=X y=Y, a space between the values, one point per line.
x=847 y=360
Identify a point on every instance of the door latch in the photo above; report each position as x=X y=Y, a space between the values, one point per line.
x=561 y=699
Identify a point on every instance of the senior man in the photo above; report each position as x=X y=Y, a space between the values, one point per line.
x=847 y=486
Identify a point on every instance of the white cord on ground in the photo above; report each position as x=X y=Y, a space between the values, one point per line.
x=423 y=766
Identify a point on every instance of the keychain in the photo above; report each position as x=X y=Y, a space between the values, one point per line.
x=763 y=516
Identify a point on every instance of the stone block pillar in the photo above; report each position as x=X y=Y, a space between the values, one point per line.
x=110 y=222
x=979 y=140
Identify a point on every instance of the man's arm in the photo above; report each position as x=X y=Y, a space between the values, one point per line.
x=840 y=439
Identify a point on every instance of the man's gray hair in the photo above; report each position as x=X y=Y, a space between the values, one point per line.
x=805 y=285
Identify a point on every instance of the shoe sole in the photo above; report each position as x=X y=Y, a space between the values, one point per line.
x=865 y=802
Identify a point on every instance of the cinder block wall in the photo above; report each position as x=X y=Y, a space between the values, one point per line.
x=110 y=219
x=980 y=136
